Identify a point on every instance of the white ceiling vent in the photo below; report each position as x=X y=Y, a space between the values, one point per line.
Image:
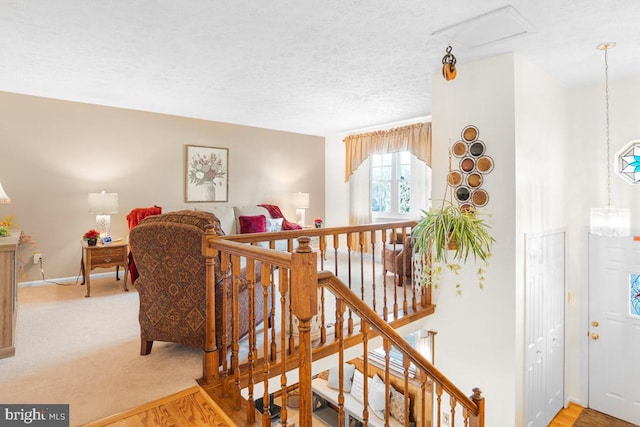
x=498 y=25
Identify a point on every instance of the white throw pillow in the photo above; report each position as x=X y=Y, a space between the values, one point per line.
x=357 y=387
x=347 y=378
x=274 y=224
x=377 y=397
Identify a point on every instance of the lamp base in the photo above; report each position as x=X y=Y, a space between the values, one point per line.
x=103 y=224
x=610 y=222
x=300 y=216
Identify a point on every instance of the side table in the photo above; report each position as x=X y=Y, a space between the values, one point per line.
x=104 y=256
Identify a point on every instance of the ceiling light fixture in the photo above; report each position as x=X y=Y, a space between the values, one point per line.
x=609 y=221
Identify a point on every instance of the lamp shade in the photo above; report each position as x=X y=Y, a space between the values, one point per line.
x=4 y=198
x=103 y=203
x=300 y=200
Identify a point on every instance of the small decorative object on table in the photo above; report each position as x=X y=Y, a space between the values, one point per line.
x=318 y=222
x=91 y=237
x=4 y=231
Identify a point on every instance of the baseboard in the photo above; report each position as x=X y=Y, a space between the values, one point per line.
x=67 y=279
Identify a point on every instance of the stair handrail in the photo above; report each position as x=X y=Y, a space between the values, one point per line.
x=373 y=320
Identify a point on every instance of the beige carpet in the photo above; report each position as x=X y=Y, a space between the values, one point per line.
x=590 y=418
x=85 y=352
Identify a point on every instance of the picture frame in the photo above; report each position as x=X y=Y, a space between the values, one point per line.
x=206 y=174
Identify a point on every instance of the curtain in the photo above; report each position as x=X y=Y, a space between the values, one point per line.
x=360 y=202
x=415 y=139
x=420 y=187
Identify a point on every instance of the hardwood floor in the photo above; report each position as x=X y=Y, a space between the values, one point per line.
x=567 y=417
x=194 y=407
x=191 y=407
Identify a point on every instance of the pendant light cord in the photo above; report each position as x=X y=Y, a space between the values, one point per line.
x=606 y=97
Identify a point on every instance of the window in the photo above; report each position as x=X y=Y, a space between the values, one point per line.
x=390 y=184
x=395 y=356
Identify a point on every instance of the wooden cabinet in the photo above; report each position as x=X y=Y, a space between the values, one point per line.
x=8 y=293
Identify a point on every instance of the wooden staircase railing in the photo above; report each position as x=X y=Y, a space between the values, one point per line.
x=290 y=286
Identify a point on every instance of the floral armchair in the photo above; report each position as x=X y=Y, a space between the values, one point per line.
x=172 y=277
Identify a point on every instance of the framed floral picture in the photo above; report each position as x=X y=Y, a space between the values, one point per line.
x=206 y=174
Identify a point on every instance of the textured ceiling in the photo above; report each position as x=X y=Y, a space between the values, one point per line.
x=314 y=67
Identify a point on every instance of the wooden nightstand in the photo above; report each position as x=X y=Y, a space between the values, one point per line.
x=104 y=256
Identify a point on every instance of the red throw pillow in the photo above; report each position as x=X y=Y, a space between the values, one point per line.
x=253 y=224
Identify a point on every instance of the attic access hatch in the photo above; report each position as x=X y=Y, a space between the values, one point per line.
x=498 y=25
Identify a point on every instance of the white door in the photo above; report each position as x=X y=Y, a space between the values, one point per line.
x=544 y=329
x=614 y=326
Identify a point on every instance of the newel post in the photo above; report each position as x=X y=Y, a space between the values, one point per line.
x=304 y=305
x=479 y=400
x=210 y=352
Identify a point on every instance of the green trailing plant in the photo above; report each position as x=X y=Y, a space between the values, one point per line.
x=447 y=237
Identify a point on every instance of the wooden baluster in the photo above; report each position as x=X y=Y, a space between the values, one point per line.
x=465 y=417
x=235 y=334
x=386 y=345
x=339 y=326
x=272 y=315
x=452 y=403
x=349 y=244
x=265 y=275
x=414 y=287
x=364 y=327
x=394 y=237
x=423 y=392
x=224 y=268
x=336 y=246
x=322 y=242
x=479 y=400
x=323 y=327
x=361 y=241
x=373 y=267
x=385 y=308
x=405 y=306
x=292 y=341
x=211 y=352
x=283 y=282
x=250 y=276
x=405 y=364
x=438 y=404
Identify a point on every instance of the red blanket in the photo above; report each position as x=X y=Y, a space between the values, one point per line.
x=275 y=212
x=134 y=217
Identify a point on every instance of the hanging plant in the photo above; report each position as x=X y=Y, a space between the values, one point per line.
x=448 y=235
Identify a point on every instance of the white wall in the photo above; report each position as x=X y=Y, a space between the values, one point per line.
x=55 y=152
x=477 y=331
x=586 y=176
x=541 y=117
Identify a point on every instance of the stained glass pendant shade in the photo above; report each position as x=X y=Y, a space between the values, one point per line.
x=629 y=162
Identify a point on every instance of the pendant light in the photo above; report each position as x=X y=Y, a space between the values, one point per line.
x=609 y=221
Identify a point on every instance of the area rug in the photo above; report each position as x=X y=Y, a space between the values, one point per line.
x=590 y=418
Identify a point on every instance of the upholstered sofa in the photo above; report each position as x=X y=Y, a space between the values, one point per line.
x=172 y=276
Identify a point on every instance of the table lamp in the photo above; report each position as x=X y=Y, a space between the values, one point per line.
x=300 y=201
x=4 y=198
x=102 y=205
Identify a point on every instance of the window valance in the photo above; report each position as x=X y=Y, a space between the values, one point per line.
x=415 y=139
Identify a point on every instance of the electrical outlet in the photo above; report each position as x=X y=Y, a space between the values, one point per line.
x=37 y=257
x=445 y=419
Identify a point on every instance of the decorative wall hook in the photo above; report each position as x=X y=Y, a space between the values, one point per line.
x=449 y=71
